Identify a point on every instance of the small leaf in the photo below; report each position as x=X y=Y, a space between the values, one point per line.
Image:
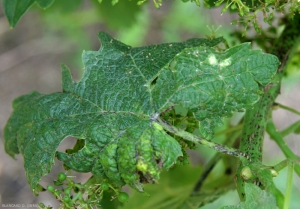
x=15 y=9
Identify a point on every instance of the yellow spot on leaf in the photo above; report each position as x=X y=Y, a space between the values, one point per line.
x=212 y=59
x=225 y=62
x=141 y=166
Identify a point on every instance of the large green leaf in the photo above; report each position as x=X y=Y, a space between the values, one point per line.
x=111 y=108
x=15 y=9
x=115 y=106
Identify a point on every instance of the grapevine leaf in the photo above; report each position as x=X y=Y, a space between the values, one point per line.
x=110 y=108
x=15 y=9
x=256 y=198
x=214 y=84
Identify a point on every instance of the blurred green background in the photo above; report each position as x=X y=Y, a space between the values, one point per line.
x=30 y=57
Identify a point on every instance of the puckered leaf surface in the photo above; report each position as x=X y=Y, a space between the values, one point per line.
x=214 y=84
x=111 y=108
x=14 y=9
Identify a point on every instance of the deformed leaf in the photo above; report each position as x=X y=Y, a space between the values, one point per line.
x=115 y=106
x=15 y=9
x=111 y=108
x=214 y=84
x=256 y=198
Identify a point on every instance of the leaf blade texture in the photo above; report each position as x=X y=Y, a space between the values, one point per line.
x=214 y=84
x=110 y=108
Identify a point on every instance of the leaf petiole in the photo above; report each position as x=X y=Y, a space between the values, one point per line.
x=276 y=136
x=213 y=161
x=210 y=144
x=289 y=185
x=287 y=108
x=229 y=130
x=291 y=129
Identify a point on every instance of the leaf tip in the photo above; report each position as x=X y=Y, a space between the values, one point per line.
x=44 y=4
x=109 y=42
x=67 y=80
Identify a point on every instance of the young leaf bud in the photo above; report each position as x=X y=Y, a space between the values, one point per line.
x=246 y=173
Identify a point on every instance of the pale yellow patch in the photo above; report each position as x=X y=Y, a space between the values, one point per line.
x=225 y=62
x=212 y=59
x=157 y=126
x=141 y=166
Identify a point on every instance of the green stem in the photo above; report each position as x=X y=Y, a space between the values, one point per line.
x=289 y=186
x=291 y=129
x=287 y=108
x=77 y=196
x=92 y=181
x=229 y=130
x=257 y=117
x=276 y=136
x=255 y=122
x=281 y=165
x=214 y=160
x=210 y=144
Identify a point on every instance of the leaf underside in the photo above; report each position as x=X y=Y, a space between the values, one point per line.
x=114 y=106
